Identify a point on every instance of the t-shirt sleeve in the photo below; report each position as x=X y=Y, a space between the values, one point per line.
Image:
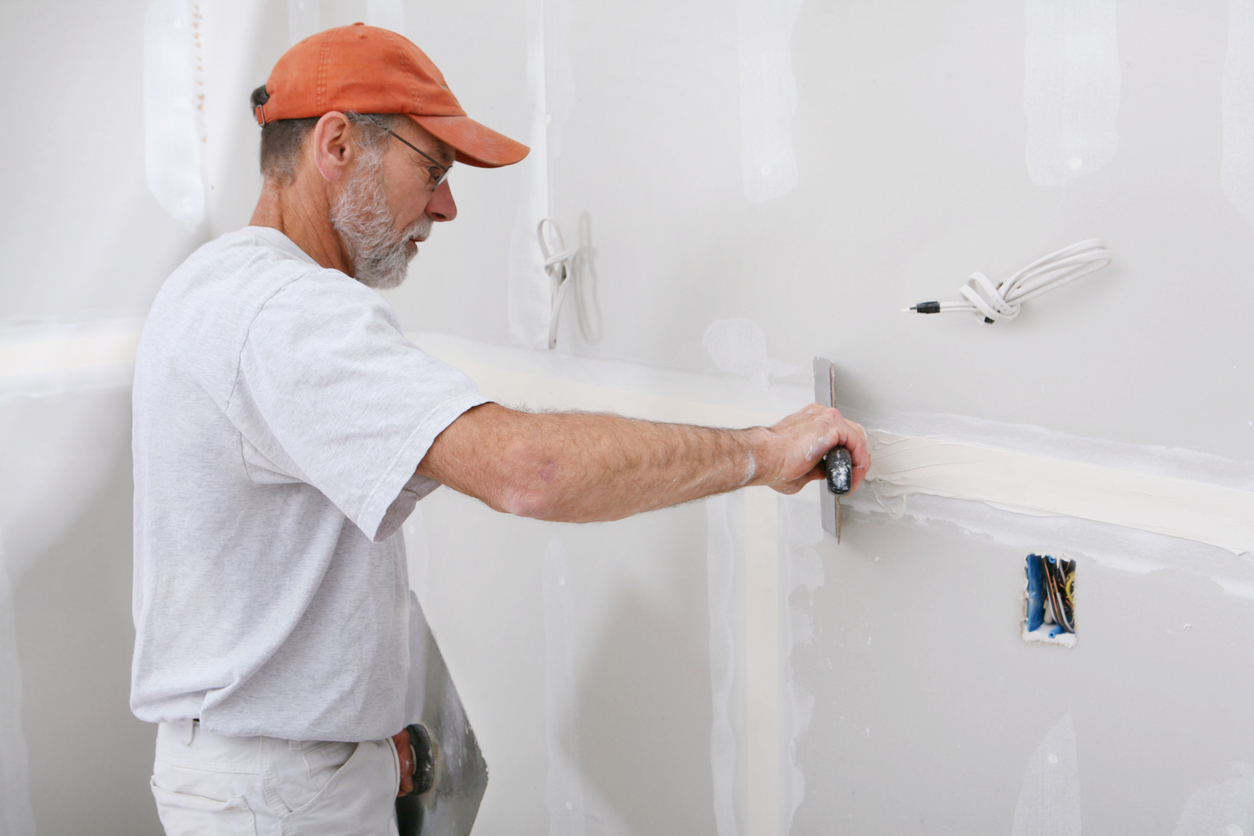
x=330 y=393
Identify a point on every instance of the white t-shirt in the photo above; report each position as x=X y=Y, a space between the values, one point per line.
x=279 y=415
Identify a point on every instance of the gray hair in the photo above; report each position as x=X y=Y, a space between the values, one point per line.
x=283 y=140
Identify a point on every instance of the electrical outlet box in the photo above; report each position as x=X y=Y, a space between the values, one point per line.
x=1049 y=600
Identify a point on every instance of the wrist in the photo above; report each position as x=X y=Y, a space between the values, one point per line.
x=760 y=455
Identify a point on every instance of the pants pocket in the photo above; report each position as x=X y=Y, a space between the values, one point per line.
x=358 y=799
x=297 y=770
x=324 y=760
x=194 y=815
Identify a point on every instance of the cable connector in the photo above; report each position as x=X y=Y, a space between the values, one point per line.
x=1003 y=301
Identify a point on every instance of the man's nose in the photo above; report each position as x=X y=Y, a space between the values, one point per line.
x=441 y=207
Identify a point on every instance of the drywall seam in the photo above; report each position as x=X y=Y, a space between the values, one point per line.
x=551 y=96
x=1226 y=809
x=762 y=663
x=174 y=125
x=1039 y=486
x=1049 y=799
x=768 y=97
x=1237 y=170
x=563 y=787
x=386 y=14
x=1071 y=88
x=304 y=18
x=17 y=818
x=721 y=564
x=799 y=536
x=49 y=357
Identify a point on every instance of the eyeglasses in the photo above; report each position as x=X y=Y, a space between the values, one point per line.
x=439 y=173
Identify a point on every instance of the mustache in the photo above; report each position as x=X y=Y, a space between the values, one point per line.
x=419 y=230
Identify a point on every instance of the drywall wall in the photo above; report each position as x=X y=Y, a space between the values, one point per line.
x=754 y=183
x=927 y=144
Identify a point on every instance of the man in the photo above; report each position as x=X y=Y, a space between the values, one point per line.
x=284 y=429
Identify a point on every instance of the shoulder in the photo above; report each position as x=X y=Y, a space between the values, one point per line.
x=207 y=308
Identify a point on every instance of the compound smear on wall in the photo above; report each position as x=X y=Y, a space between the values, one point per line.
x=721 y=573
x=768 y=96
x=551 y=97
x=801 y=535
x=1049 y=801
x=563 y=789
x=1226 y=809
x=1237 y=173
x=738 y=346
x=1070 y=88
x=16 y=815
x=174 y=128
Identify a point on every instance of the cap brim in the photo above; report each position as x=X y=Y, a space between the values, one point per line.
x=475 y=144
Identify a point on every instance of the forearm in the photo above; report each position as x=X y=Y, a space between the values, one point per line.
x=583 y=467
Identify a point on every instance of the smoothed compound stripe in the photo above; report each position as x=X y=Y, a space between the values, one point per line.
x=1040 y=486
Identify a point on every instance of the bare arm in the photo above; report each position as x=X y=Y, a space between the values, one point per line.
x=584 y=467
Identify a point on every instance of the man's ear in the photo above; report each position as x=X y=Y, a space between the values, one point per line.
x=333 y=149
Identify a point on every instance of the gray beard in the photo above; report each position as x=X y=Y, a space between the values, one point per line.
x=360 y=215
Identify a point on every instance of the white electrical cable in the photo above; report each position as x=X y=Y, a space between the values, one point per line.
x=559 y=263
x=1003 y=301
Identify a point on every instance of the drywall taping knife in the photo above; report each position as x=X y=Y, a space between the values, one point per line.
x=450 y=774
x=838 y=464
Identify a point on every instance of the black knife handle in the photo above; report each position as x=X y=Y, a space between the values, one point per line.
x=839 y=468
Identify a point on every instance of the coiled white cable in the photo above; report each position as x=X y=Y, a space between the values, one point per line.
x=1003 y=301
x=559 y=263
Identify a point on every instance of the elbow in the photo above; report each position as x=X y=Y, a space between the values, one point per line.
x=534 y=493
x=530 y=503
x=543 y=485
x=547 y=499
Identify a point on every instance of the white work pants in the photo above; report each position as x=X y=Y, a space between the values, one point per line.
x=207 y=783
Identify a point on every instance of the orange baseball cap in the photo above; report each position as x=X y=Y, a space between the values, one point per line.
x=365 y=69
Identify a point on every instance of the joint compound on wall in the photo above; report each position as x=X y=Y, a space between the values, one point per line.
x=174 y=118
x=1049 y=799
x=16 y=815
x=1237 y=172
x=738 y=346
x=551 y=96
x=800 y=536
x=1038 y=486
x=563 y=787
x=722 y=568
x=1226 y=809
x=768 y=96
x=49 y=357
x=1070 y=88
